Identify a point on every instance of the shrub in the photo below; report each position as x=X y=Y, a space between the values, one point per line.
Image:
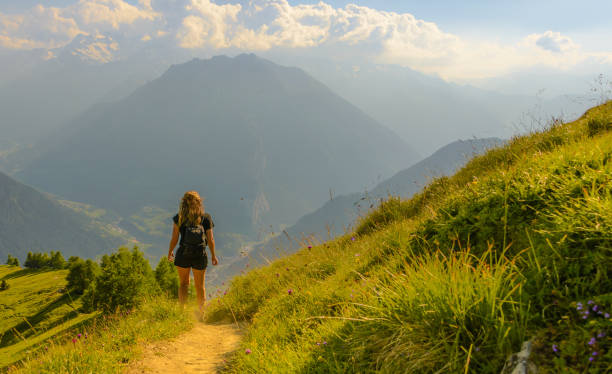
x=81 y=275
x=126 y=277
x=599 y=124
x=4 y=285
x=14 y=261
x=167 y=277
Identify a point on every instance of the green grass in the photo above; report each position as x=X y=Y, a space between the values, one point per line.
x=454 y=279
x=108 y=344
x=34 y=308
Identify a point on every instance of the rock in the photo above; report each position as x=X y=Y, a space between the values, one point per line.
x=520 y=363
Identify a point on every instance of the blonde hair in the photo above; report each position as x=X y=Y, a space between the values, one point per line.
x=191 y=209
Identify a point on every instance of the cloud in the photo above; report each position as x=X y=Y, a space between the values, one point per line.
x=41 y=27
x=553 y=41
x=113 y=12
x=52 y=27
x=261 y=25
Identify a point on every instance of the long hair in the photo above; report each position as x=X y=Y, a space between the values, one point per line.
x=191 y=209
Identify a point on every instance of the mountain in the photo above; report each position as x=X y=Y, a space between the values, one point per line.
x=32 y=221
x=429 y=112
x=339 y=213
x=263 y=143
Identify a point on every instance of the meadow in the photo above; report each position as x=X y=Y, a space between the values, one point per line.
x=514 y=247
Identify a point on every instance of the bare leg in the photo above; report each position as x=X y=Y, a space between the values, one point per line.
x=198 y=277
x=184 y=283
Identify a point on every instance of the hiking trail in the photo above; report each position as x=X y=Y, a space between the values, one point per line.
x=203 y=349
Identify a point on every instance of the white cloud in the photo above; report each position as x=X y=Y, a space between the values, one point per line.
x=51 y=27
x=260 y=25
x=112 y=12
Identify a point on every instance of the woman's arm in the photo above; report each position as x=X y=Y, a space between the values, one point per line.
x=173 y=241
x=210 y=238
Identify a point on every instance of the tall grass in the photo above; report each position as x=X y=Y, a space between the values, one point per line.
x=109 y=343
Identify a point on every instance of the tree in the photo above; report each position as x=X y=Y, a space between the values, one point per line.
x=125 y=278
x=81 y=274
x=167 y=277
x=14 y=261
x=57 y=261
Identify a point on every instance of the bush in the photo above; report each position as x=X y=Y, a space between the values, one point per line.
x=126 y=277
x=4 y=285
x=81 y=275
x=14 y=261
x=167 y=277
x=596 y=125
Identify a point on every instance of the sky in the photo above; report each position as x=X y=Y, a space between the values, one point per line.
x=456 y=40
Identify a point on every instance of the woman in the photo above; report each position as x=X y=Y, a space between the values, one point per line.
x=195 y=229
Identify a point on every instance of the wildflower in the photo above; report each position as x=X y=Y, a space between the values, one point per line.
x=601 y=334
x=555 y=348
x=590 y=302
x=595 y=353
x=247 y=351
x=356 y=254
x=579 y=306
x=85 y=335
x=595 y=308
x=318 y=343
x=309 y=247
x=607 y=315
x=277 y=275
x=324 y=343
x=225 y=292
x=79 y=336
x=591 y=359
x=592 y=341
x=290 y=291
x=353 y=238
x=74 y=340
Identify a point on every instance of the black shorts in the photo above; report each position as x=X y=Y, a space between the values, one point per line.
x=198 y=262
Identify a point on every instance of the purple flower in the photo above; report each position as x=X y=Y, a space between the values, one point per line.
x=247 y=351
x=595 y=353
x=555 y=348
x=309 y=247
x=579 y=306
x=324 y=343
x=74 y=340
x=606 y=315
x=353 y=238
x=592 y=341
x=79 y=335
x=601 y=334
x=290 y=291
x=595 y=307
x=590 y=302
x=86 y=336
x=225 y=292
x=318 y=343
x=591 y=359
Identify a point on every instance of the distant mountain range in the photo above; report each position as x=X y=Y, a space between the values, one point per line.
x=340 y=213
x=33 y=221
x=262 y=142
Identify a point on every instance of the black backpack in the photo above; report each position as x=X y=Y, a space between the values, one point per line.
x=193 y=240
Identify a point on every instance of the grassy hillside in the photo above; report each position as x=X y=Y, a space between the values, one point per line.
x=514 y=246
x=43 y=330
x=34 y=308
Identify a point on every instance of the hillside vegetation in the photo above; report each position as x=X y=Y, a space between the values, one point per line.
x=514 y=246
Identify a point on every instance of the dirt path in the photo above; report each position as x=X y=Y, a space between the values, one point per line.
x=203 y=349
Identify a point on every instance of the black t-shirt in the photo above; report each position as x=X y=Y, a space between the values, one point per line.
x=207 y=223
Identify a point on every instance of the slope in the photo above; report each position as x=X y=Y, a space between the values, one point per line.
x=32 y=221
x=515 y=246
x=264 y=143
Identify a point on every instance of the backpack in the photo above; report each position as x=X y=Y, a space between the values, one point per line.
x=194 y=240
